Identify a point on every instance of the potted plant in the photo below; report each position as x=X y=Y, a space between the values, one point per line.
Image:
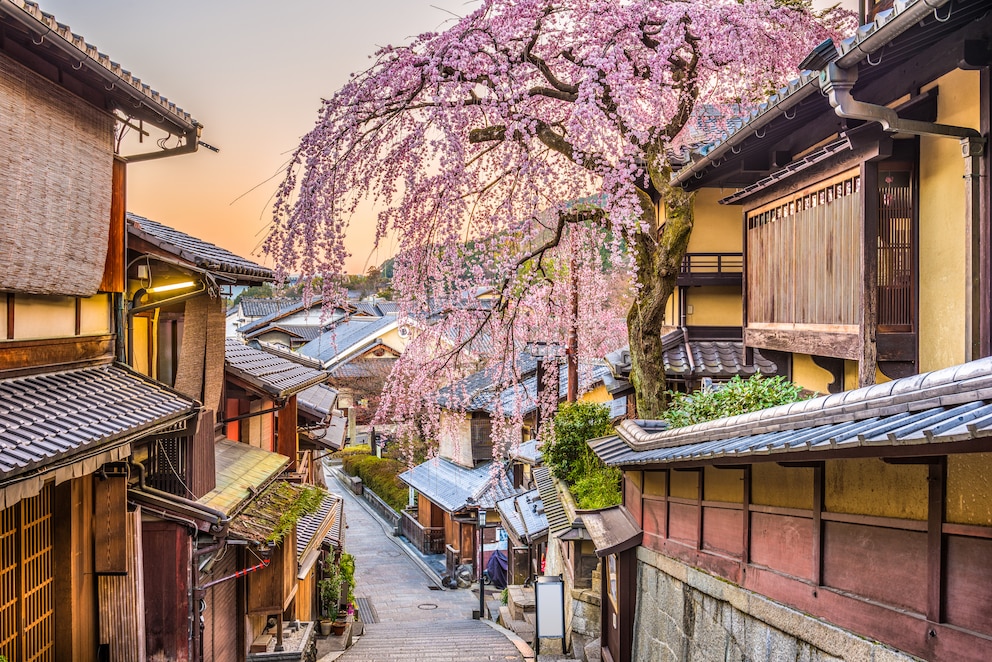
x=329 y=589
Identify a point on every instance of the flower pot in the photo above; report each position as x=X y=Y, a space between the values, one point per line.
x=337 y=628
x=326 y=627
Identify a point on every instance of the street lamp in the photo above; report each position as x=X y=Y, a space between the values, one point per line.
x=482 y=583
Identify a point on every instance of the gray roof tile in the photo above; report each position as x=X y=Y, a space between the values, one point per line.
x=949 y=405
x=47 y=417
x=345 y=335
x=272 y=374
x=203 y=254
x=453 y=487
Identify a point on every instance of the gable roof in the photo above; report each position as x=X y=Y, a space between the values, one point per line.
x=198 y=252
x=454 y=487
x=275 y=375
x=524 y=514
x=346 y=337
x=256 y=307
x=920 y=415
x=288 y=307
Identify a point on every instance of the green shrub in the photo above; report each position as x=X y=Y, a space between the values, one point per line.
x=738 y=396
x=598 y=488
x=379 y=475
x=568 y=455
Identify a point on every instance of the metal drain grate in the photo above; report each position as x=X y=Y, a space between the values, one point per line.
x=366 y=611
x=432 y=587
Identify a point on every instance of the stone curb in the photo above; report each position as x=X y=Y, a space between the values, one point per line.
x=522 y=646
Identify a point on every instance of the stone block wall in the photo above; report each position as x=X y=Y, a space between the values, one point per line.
x=686 y=615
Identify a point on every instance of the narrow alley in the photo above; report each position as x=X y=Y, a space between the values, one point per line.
x=413 y=618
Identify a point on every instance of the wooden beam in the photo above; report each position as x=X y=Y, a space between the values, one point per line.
x=10 y=315
x=804 y=341
x=22 y=356
x=937 y=481
x=746 y=519
x=868 y=304
x=818 y=493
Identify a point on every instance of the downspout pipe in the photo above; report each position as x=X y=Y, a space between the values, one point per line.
x=837 y=82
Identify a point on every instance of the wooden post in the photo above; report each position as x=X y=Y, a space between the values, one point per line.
x=286 y=443
x=937 y=481
x=869 y=274
x=818 y=490
x=972 y=150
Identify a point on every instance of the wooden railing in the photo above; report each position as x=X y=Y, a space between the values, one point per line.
x=451 y=558
x=712 y=265
x=429 y=540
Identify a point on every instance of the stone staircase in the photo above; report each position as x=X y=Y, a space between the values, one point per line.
x=518 y=614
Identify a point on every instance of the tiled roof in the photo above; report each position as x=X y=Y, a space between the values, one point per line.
x=388 y=307
x=272 y=374
x=241 y=470
x=203 y=254
x=718 y=359
x=117 y=79
x=361 y=368
x=453 y=487
x=301 y=331
x=314 y=314
x=867 y=40
x=528 y=452
x=318 y=527
x=261 y=518
x=368 y=308
x=954 y=404
x=554 y=511
x=318 y=401
x=48 y=417
x=257 y=307
x=525 y=514
x=344 y=336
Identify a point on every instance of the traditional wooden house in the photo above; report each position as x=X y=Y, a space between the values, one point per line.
x=71 y=412
x=854 y=525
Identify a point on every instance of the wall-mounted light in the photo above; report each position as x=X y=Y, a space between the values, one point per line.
x=171 y=287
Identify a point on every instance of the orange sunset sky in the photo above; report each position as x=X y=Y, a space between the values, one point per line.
x=253 y=74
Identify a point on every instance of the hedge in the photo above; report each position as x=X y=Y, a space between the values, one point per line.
x=379 y=475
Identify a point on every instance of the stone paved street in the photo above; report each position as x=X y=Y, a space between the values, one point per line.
x=415 y=622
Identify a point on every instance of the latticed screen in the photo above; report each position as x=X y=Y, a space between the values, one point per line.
x=27 y=622
x=895 y=249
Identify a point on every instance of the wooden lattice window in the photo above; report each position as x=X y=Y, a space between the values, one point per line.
x=27 y=610
x=896 y=247
x=482 y=437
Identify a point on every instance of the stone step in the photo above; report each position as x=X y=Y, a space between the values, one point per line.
x=520 y=601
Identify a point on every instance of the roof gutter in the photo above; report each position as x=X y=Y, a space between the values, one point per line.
x=883 y=34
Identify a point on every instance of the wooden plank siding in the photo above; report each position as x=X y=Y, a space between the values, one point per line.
x=888 y=576
x=122 y=599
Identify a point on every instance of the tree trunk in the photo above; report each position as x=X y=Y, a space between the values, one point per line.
x=659 y=253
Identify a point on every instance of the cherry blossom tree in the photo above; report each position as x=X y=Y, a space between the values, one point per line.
x=522 y=127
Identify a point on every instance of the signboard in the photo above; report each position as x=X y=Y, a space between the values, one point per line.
x=549 y=602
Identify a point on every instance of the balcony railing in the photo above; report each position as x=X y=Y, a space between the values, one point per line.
x=711 y=269
x=428 y=539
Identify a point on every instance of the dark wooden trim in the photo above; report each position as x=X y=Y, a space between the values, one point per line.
x=722 y=505
x=20 y=357
x=868 y=304
x=819 y=490
x=699 y=509
x=879 y=522
x=746 y=521
x=985 y=214
x=839 y=345
x=937 y=480
x=967 y=530
x=668 y=503
x=113 y=269
x=682 y=501
x=79 y=316
x=286 y=441
x=835 y=367
x=784 y=512
x=10 y=315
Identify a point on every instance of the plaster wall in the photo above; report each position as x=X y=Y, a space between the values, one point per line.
x=969 y=489
x=725 y=485
x=44 y=317
x=714 y=306
x=784 y=487
x=716 y=228
x=686 y=615
x=94 y=315
x=869 y=486
x=943 y=239
x=392 y=339
x=809 y=375
x=455 y=439
x=598 y=395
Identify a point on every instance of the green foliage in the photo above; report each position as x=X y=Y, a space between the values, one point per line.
x=263 y=291
x=599 y=488
x=592 y=483
x=569 y=456
x=292 y=509
x=380 y=476
x=347 y=566
x=738 y=396
x=329 y=589
x=504 y=597
x=347 y=451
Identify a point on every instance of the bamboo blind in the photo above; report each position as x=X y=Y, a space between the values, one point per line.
x=56 y=156
x=802 y=256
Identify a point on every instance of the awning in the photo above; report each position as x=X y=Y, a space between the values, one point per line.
x=63 y=425
x=242 y=470
x=331 y=437
x=313 y=531
x=612 y=530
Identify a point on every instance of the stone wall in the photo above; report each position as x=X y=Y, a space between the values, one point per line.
x=687 y=615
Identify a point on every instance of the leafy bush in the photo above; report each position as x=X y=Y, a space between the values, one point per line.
x=738 y=396
x=330 y=589
x=592 y=483
x=575 y=423
x=380 y=476
x=347 y=565
x=599 y=488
